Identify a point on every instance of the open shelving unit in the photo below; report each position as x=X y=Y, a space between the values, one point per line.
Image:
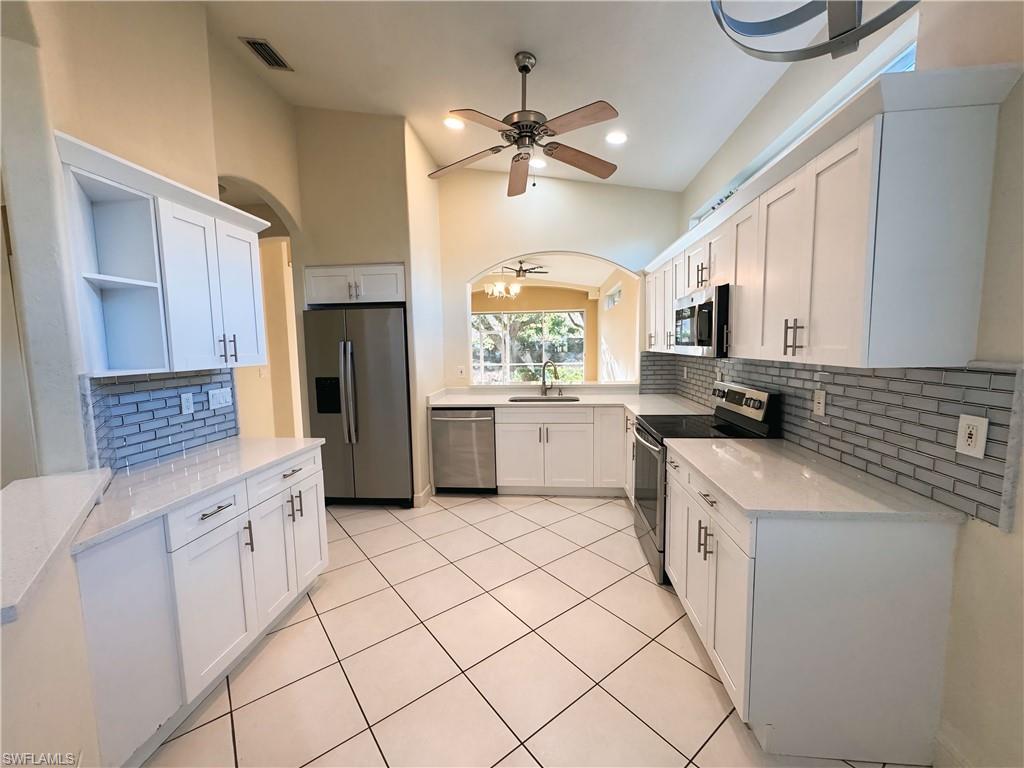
x=117 y=276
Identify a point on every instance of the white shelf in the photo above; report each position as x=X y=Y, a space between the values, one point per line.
x=115 y=283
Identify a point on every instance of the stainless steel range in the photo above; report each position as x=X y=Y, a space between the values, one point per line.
x=740 y=412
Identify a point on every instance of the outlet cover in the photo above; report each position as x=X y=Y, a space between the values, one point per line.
x=187 y=406
x=819 y=402
x=220 y=398
x=971 y=435
x=460 y=371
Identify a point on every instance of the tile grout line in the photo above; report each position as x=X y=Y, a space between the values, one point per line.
x=709 y=738
x=231 y=714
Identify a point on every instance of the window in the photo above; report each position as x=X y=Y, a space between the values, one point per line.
x=511 y=347
x=613 y=297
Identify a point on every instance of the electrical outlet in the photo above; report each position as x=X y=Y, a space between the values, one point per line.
x=460 y=371
x=685 y=375
x=220 y=398
x=971 y=435
x=187 y=406
x=819 y=402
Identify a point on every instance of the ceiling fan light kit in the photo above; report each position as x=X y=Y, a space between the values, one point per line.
x=526 y=129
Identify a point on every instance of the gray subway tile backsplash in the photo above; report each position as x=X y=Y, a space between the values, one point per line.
x=896 y=424
x=138 y=418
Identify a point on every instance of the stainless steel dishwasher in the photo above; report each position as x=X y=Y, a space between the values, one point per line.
x=462 y=444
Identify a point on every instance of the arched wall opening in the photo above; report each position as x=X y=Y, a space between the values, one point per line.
x=269 y=396
x=575 y=310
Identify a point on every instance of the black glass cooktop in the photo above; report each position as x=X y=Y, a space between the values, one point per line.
x=709 y=425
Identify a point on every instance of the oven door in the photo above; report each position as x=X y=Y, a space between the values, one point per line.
x=649 y=489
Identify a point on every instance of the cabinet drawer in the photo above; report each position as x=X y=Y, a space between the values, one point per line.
x=191 y=521
x=281 y=476
x=733 y=520
x=676 y=468
x=544 y=415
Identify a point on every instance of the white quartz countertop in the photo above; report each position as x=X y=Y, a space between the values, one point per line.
x=135 y=497
x=650 y=405
x=774 y=478
x=40 y=515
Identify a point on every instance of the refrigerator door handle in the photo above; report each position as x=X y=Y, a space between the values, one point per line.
x=350 y=395
x=342 y=391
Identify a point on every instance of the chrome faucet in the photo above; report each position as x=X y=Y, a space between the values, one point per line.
x=544 y=379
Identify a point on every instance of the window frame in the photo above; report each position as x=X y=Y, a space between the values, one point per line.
x=479 y=364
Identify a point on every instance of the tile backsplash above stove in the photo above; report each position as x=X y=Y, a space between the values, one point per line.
x=897 y=424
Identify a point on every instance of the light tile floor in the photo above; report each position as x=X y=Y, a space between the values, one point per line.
x=512 y=631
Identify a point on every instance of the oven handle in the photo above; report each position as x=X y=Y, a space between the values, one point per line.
x=656 y=448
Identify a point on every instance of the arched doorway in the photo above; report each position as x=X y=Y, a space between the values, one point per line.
x=575 y=310
x=269 y=396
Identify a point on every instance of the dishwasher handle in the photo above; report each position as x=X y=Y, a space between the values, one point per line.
x=462 y=418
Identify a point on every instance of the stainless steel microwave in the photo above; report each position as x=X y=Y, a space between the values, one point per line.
x=702 y=322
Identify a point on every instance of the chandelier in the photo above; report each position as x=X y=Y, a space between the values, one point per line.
x=502 y=290
x=845 y=27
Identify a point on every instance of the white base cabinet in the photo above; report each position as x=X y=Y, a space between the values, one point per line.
x=813 y=622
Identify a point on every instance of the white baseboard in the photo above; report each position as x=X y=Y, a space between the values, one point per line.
x=544 y=490
x=947 y=754
x=420 y=499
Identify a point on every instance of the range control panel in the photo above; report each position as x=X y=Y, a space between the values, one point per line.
x=752 y=403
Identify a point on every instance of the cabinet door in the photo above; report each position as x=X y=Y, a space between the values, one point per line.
x=188 y=256
x=679 y=276
x=272 y=555
x=380 y=282
x=675 y=534
x=747 y=281
x=696 y=568
x=651 y=308
x=630 y=457
x=241 y=292
x=721 y=262
x=669 y=310
x=310 y=529
x=569 y=455
x=519 y=454
x=330 y=285
x=609 y=462
x=841 y=255
x=784 y=245
x=659 y=312
x=729 y=621
x=695 y=257
x=216 y=600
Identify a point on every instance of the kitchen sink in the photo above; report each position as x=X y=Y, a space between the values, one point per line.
x=544 y=399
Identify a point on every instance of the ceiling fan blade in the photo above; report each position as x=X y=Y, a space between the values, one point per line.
x=518 y=173
x=466 y=161
x=597 y=112
x=475 y=116
x=579 y=159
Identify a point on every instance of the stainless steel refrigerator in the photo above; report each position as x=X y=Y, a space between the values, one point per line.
x=358 y=384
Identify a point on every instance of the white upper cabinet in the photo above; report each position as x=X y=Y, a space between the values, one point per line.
x=653 y=298
x=195 y=320
x=355 y=284
x=668 y=308
x=241 y=291
x=744 y=328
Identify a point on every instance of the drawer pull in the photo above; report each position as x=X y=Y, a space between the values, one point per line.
x=711 y=500
x=673 y=464
x=707 y=535
x=220 y=508
x=295 y=471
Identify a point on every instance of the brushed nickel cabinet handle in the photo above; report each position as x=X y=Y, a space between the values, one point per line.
x=217 y=511
x=234 y=346
x=547 y=435
x=707 y=535
x=288 y=474
x=711 y=500
x=796 y=327
x=251 y=543
x=700 y=535
x=300 y=505
x=350 y=290
x=223 y=340
x=291 y=503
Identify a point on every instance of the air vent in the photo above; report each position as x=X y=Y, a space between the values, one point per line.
x=266 y=53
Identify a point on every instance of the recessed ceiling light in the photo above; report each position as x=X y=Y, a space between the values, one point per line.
x=616 y=137
x=454 y=123
x=537 y=163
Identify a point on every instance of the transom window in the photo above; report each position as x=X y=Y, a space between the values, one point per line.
x=511 y=347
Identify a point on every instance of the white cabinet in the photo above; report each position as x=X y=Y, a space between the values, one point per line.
x=309 y=529
x=569 y=455
x=273 y=555
x=630 y=458
x=216 y=601
x=655 y=299
x=355 y=284
x=519 y=454
x=675 y=534
x=241 y=293
x=731 y=599
x=609 y=458
x=744 y=329
x=668 y=308
x=695 y=565
x=195 y=320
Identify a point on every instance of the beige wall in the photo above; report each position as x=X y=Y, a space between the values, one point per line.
x=983 y=704
x=481 y=226
x=618 y=329
x=426 y=322
x=547 y=298
x=133 y=79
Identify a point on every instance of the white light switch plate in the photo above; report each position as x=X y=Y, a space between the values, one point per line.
x=971 y=435
x=187 y=406
x=220 y=398
x=819 y=402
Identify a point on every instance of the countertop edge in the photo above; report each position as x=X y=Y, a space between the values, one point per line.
x=609 y=400
x=82 y=545
x=9 y=611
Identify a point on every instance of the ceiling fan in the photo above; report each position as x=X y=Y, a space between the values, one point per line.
x=524 y=270
x=526 y=128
